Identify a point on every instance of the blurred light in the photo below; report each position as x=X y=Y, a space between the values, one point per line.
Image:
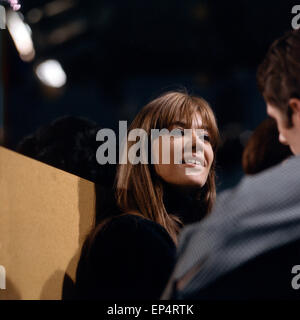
x=51 y=74
x=3 y=18
x=200 y=12
x=20 y=14
x=21 y=35
x=50 y=9
x=14 y=4
x=58 y=6
x=34 y=15
x=28 y=29
x=67 y=32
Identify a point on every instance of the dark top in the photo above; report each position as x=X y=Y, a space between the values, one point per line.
x=265 y=277
x=246 y=248
x=130 y=258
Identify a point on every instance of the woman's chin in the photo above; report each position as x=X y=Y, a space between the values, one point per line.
x=195 y=183
x=192 y=181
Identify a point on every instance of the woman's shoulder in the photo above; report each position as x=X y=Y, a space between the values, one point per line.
x=132 y=226
x=143 y=249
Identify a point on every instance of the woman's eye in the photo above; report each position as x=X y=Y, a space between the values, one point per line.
x=179 y=132
x=207 y=137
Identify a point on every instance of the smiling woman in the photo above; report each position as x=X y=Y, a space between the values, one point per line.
x=131 y=253
x=161 y=141
x=140 y=188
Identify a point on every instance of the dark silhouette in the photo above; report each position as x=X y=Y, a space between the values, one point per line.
x=68 y=143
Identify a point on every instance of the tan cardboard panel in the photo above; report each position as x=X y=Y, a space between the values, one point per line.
x=45 y=214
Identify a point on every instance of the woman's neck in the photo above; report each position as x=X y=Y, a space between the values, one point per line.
x=183 y=202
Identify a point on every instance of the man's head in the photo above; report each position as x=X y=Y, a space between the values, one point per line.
x=279 y=82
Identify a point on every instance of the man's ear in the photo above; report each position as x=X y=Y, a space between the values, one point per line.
x=294 y=104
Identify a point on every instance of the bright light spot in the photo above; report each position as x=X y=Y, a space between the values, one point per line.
x=20 y=14
x=51 y=74
x=21 y=35
x=29 y=29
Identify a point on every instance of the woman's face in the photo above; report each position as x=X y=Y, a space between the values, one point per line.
x=196 y=162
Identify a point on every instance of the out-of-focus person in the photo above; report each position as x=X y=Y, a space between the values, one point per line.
x=263 y=150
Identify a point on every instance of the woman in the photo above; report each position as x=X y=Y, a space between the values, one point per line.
x=263 y=150
x=131 y=253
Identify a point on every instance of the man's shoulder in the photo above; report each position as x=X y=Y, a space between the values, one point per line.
x=260 y=214
x=285 y=173
x=273 y=186
x=275 y=190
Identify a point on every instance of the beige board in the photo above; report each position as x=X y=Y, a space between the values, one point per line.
x=45 y=214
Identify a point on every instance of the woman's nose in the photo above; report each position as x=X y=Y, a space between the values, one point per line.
x=197 y=140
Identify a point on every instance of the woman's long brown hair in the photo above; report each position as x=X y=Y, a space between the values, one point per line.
x=139 y=190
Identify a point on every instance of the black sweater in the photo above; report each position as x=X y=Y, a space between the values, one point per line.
x=130 y=258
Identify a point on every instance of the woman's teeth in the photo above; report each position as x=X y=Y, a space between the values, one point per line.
x=193 y=162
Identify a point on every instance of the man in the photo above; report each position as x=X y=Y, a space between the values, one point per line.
x=248 y=246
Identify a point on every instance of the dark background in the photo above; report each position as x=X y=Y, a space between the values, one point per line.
x=120 y=54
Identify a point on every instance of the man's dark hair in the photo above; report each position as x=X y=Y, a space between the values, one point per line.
x=278 y=75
